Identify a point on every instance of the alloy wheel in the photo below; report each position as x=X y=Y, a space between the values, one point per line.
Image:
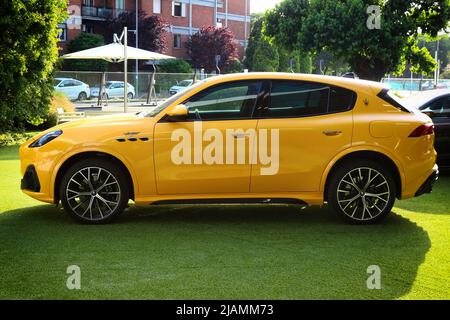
x=93 y=193
x=363 y=194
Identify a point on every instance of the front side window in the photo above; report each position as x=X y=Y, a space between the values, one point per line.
x=233 y=100
x=439 y=106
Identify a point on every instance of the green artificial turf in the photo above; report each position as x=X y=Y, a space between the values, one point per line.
x=221 y=252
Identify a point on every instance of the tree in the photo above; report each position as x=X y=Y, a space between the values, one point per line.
x=175 y=66
x=340 y=27
x=265 y=58
x=152 y=30
x=81 y=42
x=28 y=53
x=253 y=39
x=209 y=42
x=444 y=49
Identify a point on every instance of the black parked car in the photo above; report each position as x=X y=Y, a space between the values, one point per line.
x=436 y=104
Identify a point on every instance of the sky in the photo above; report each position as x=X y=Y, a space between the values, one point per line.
x=261 y=5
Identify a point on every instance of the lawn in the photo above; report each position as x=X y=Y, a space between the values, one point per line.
x=221 y=252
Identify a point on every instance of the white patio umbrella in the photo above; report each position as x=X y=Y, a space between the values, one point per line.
x=118 y=52
x=114 y=52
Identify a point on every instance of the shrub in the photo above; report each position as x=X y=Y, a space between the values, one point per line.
x=82 y=42
x=175 y=66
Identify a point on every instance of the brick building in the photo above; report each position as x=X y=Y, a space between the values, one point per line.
x=184 y=17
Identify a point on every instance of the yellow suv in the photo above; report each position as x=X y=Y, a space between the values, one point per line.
x=259 y=137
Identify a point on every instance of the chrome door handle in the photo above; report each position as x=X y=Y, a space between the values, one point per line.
x=331 y=132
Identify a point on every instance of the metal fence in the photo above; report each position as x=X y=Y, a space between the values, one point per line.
x=140 y=81
x=408 y=84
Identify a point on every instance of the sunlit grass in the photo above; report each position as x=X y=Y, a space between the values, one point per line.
x=223 y=252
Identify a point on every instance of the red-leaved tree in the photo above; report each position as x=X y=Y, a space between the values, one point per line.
x=152 y=30
x=208 y=42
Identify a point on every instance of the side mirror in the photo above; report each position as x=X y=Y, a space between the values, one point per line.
x=178 y=113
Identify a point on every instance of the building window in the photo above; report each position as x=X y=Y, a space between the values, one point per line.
x=87 y=28
x=177 y=41
x=156 y=6
x=178 y=9
x=120 y=4
x=62 y=36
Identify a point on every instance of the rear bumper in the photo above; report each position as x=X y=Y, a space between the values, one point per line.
x=427 y=186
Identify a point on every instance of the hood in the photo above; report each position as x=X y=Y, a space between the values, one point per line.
x=126 y=120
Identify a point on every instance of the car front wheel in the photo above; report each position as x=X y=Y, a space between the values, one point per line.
x=82 y=96
x=94 y=191
x=361 y=191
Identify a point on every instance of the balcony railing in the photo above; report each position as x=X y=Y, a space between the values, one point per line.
x=100 y=12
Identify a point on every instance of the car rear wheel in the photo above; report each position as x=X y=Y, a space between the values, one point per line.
x=94 y=191
x=361 y=192
x=82 y=96
x=130 y=96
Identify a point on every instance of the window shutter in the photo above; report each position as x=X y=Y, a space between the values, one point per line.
x=183 y=9
x=173 y=8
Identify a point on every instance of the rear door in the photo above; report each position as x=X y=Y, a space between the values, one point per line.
x=314 y=123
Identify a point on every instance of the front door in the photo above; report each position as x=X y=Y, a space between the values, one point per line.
x=211 y=151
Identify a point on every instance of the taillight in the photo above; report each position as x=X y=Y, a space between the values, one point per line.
x=423 y=130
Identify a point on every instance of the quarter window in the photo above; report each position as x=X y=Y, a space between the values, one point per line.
x=233 y=100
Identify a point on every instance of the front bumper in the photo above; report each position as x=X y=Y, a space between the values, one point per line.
x=30 y=180
x=427 y=186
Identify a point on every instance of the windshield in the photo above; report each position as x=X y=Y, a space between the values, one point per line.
x=56 y=82
x=185 y=83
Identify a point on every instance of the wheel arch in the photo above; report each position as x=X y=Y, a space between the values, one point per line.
x=91 y=154
x=375 y=155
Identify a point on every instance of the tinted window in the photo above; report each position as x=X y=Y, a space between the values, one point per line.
x=230 y=100
x=341 y=99
x=440 y=106
x=300 y=98
x=296 y=99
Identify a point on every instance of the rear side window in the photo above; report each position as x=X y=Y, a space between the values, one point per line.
x=299 y=99
x=296 y=99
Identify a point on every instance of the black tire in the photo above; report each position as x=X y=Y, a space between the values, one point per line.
x=130 y=96
x=371 y=202
x=82 y=96
x=100 y=201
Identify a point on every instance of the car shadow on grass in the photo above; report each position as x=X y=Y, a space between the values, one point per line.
x=208 y=252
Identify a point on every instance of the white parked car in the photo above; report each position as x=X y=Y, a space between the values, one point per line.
x=72 y=88
x=180 y=86
x=114 y=89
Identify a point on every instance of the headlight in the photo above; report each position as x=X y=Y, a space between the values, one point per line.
x=45 y=138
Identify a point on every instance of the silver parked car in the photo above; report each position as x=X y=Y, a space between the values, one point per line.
x=182 y=85
x=72 y=88
x=114 y=89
